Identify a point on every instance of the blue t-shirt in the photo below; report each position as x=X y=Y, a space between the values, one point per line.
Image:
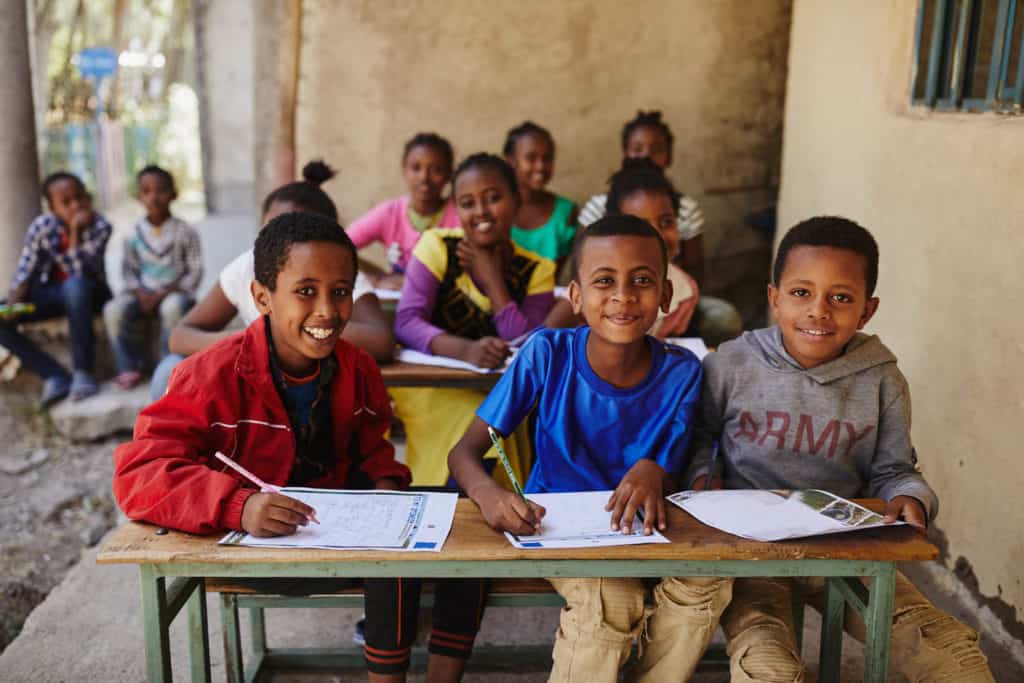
x=588 y=433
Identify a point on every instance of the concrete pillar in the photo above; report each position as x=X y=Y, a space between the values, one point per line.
x=19 y=166
x=224 y=59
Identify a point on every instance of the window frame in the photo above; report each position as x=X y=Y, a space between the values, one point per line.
x=951 y=31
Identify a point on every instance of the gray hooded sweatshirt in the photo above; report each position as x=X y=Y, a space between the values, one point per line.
x=843 y=426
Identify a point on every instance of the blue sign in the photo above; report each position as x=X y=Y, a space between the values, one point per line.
x=97 y=62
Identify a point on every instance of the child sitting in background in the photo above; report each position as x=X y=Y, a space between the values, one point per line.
x=545 y=222
x=162 y=265
x=648 y=136
x=613 y=411
x=205 y=324
x=427 y=163
x=288 y=399
x=641 y=189
x=811 y=403
x=61 y=273
x=468 y=292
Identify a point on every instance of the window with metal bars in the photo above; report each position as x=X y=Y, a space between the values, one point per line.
x=970 y=55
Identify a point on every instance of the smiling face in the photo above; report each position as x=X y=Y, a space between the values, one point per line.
x=310 y=304
x=68 y=198
x=156 y=195
x=821 y=302
x=656 y=208
x=619 y=287
x=533 y=158
x=426 y=171
x=649 y=142
x=486 y=206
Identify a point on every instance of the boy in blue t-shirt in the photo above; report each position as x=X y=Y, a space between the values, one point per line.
x=613 y=411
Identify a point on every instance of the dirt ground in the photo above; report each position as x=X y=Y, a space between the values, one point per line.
x=55 y=501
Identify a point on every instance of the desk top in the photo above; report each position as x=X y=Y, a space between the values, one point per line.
x=400 y=374
x=472 y=540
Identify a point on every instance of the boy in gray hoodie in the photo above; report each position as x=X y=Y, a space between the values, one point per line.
x=814 y=403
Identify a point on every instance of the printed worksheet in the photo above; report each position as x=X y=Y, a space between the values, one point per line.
x=579 y=520
x=411 y=356
x=365 y=520
x=776 y=515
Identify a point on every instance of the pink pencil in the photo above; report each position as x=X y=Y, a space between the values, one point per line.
x=264 y=486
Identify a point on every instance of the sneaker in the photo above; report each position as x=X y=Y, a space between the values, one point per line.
x=359 y=633
x=54 y=389
x=83 y=385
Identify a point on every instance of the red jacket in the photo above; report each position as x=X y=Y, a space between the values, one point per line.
x=224 y=399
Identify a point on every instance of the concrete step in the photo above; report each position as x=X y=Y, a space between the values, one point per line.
x=111 y=411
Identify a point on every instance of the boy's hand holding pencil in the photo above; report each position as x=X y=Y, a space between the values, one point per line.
x=504 y=510
x=274 y=514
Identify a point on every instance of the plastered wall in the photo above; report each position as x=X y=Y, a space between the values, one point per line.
x=943 y=194
x=374 y=73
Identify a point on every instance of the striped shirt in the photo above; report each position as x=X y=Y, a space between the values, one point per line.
x=691 y=218
x=42 y=251
x=157 y=259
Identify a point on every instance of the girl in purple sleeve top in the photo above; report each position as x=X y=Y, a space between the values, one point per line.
x=468 y=292
x=398 y=223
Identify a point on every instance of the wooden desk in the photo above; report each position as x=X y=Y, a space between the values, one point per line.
x=415 y=375
x=474 y=550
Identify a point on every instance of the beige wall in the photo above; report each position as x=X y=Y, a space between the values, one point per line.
x=374 y=73
x=943 y=195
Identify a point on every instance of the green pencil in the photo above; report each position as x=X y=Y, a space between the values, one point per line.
x=496 y=440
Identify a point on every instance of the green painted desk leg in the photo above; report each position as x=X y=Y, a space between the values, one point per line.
x=232 y=638
x=832 y=632
x=258 y=627
x=155 y=622
x=878 y=623
x=198 y=633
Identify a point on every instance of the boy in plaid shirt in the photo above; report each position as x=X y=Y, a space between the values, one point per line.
x=60 y=272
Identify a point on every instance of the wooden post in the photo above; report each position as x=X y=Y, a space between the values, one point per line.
x=19 y=166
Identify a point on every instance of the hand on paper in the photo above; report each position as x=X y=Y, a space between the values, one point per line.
x=386 y=484
x=274 y=514
x=505 y=511
x=487 y=352
x=909 y=509
x=642 y=487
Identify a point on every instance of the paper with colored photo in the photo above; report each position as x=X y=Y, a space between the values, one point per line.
x=776 y=515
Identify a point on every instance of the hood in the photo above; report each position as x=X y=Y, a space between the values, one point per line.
x=863 y=351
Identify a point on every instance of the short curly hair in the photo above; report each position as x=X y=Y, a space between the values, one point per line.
x=276 y=239
x=830 y=231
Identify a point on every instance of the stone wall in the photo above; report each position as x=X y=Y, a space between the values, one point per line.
x=375 y=73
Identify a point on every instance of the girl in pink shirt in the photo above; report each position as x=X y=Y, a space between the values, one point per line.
x=427 y=163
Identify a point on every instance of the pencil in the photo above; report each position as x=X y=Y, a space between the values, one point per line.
x=496 y=440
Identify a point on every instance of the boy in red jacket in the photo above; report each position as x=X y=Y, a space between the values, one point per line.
x=287 y=399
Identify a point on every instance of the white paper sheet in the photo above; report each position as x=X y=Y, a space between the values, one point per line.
x=694 y=344
x=579 y=520
x=365 y=520
x=411 y=356
x=776 y=515
x=387 y=294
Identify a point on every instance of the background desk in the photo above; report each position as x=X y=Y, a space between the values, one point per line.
x=415 y=375
x=474 y=550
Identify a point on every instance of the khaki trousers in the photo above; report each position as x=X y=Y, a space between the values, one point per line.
x=603 y=617
x=927 y=644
